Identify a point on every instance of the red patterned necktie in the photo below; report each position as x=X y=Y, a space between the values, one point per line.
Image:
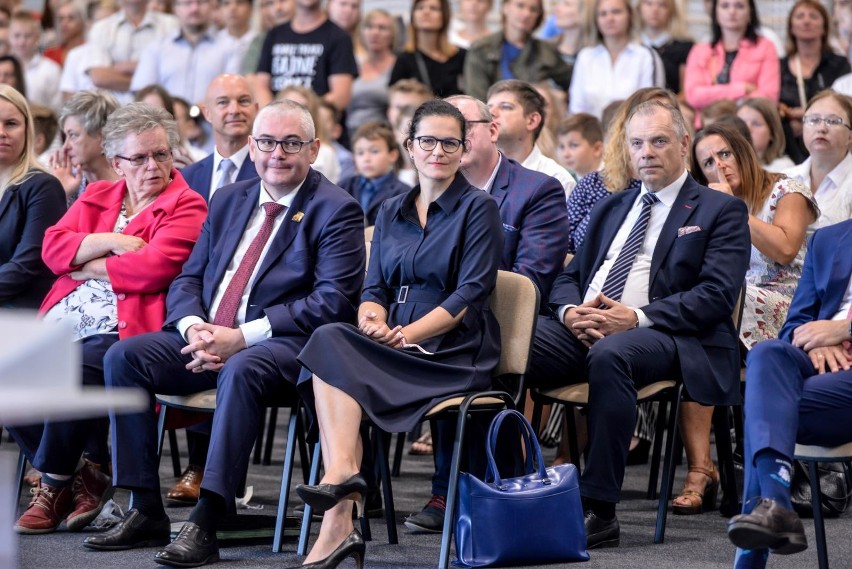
x=226 y=314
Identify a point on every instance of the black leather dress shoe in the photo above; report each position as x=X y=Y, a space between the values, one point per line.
x=769 y=526
x=601 y=533
x=193 y=547
x=135 y=530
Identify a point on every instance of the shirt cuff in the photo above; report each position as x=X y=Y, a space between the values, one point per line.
x=256 y=331
x=184 y=324
x=644 y=321
x=562 y=310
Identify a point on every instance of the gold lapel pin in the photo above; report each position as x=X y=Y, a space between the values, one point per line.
x=297 y=217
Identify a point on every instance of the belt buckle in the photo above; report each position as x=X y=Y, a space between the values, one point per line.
x=402 y=296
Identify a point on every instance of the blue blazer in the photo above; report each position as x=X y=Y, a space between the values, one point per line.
x=825 y=278
x=695 y=281
x=311 y=275
x=535 y=223
x=199 y=175
x=393 y=188
x=26 y=211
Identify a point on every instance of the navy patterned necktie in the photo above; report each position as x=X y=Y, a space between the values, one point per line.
x=368 y=191
x=613 y=286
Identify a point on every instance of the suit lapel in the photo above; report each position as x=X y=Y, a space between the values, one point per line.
x=232 y=237
x=287 y=232
x=247 y=171
x=838 y=279
x=501 y=182
x=684 y=206
x=613 y=223
x=9 y=195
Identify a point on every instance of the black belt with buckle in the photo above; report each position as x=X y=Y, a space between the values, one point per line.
x=406 y=293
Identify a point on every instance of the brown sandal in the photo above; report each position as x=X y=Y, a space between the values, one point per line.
x=422 y=446
x=699 y=502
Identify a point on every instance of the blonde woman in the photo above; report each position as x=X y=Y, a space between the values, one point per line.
x=661 y=27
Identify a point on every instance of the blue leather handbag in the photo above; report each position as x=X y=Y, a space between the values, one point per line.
x=532 y=519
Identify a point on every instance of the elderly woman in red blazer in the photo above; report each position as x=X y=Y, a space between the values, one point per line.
x=116 y=251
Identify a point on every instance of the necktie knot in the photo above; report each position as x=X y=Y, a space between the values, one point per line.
x=226 y=168
x=650 y=199
x=272 y=209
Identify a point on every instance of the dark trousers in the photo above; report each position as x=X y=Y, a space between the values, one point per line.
x=787 y=402
x=55 y=447
x=249 y=381
x=615 y=367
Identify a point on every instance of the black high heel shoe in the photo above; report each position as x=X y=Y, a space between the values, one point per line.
x=323 y=497
x=353 y=546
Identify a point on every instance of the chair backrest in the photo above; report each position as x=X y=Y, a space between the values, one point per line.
x=368 y=239
x=515 y=304
x=568 y=258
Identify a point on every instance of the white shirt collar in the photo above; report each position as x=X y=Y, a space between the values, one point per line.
x=493 y=176
x=668 y=195
x=264 y=195
x=237 y=158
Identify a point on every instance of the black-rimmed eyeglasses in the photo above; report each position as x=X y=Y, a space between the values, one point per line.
x=428 y=143
x=288 y=146
x=140 y=159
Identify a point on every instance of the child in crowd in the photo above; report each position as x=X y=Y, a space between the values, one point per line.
x=580 y=146
x=331 y=117
x=376 y=158
x=46 y=127
x=41 y=74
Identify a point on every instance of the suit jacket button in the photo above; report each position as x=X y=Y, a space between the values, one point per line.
x=121 y=296
x=122 y=324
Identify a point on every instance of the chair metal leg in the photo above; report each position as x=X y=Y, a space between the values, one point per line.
x=175 y=452
x=307 y=517
x=161 y=430
x=270 y=436
x=573 y=443
x=304 y=458
x=397 y=455
x=669 y=466
x=725 y=456
x=387 y=490
x=819 y=522
x=656 y=454
x=452 y=490
x=21 y=470
x=286 y=479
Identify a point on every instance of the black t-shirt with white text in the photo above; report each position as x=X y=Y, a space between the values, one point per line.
x=307 y=59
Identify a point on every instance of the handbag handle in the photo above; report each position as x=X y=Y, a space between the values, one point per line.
x=530 y=440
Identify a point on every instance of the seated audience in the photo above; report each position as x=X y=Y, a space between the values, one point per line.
x=236 y=20
x=239 y=332
x=736 y=63
x=581 y=144
x=81 y=160
x=429 y=56
x=767 y=135
x=470 y=23
x=648 y=297
x=616 y=64
x=375 y=62
x=46 y=127
x=32 y=201
x=724 y=160
x=346 y=14
x=326 y=162
x=184 y=153
x=810 y=67
x=116 y=252
x=272 y=13
x=376 y=156
x=715 y=111
x=513 y=52
x=12 y=73
x=519 y=112
x=406 y=93
x=662 y=28
x=376 y=368
x=827 y=133
x=569 y=17
x=331 y=117
x=42 y=74
x=797 y=391
x=71 y=19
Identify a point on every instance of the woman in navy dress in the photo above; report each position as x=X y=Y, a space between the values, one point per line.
x=424 y=330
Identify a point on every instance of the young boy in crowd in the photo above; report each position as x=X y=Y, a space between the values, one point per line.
x=40 y=74
x=376 y=157
x=580 y=144
x=330 y=116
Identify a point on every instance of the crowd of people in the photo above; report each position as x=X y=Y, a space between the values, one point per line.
x=186 y=185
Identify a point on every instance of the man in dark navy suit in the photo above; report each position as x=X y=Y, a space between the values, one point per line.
x=649 y=296
x=237 y=317
x=798 y=390
x=230 y=108
x=535 y=223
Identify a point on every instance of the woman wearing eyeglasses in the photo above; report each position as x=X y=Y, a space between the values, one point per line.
x=116 y=251
x=424 y=327
x=737 y=63
x=827 y=135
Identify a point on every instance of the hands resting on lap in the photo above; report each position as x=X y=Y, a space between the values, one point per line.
x=590 y=323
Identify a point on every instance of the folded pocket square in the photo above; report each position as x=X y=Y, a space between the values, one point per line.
x=687 y=230
x=510 y=228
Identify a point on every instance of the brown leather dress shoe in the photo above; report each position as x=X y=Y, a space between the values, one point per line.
x=46 y=511
x=187 y=489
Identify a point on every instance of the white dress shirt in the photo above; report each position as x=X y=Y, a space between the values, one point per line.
x=74 y=76
x=260 y=329
x=538 y=162
x=834 y=194
x=237 y=158
x=42 y=77
x=639 y=279
x=490 y=181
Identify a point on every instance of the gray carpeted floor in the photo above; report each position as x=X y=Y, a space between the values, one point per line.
x=692 y=542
